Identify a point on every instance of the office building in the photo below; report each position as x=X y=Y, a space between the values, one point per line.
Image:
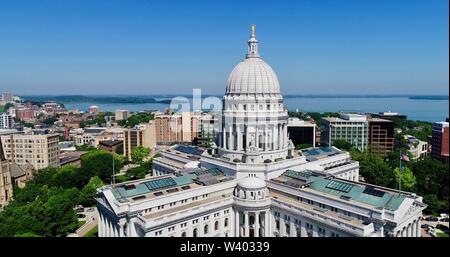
x=352 y=128
x=41 y=151
x=141 y=135
x=121 y=115
x=302 y=132
x=381 y=136
x=6 y=121
x=440 y=141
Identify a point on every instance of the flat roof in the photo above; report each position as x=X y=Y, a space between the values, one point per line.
x=374 y=196
x=154 y=187
x=315 y=153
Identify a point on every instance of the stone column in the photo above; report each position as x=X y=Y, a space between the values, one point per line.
x=224 y=136
x=239 y=137
x=266 y=224
x=419 y=227
x=315 y=232
x=230 y=137
x=293 y=232
x=121 y=228
x=302 y=229
x=274 y=134
x=236 y=223
x=100 y=224
x=256 y=227
x=282 y=227
x=246 y=225
x=403 y=231
x=408 y=230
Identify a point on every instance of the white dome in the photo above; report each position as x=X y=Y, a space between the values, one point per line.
x=253 y=76
x=252 y=183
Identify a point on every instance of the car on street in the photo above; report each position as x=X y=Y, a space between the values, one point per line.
x=435 y=219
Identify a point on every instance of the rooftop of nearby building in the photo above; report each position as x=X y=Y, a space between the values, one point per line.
x=110 y=143
x=296 y=122
x=69 y=157
x=347 y=117
x=374 y=119
x=374 y=196
x=315 y=153
x=154 y=187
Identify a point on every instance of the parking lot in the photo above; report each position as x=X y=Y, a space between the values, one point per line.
x=429 y=224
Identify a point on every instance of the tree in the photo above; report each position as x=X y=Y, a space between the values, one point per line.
x=374 y=170
x=90 y=190
x=50 y=120
x=139 y=153
x=342 y=144
x=136 y=173
x=407 y=178
x=141 y=117
x=302 y=146
x=99 y=163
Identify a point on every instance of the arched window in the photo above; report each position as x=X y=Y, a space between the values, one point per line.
x=205 y=229
x=226 y=222
x=183 y=234
x=195 y=232
x=252 y=220
x=216 y=225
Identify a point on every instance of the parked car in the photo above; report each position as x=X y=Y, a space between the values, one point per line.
x=444 y=220
x=442 y=227
x=80 y=215
x=435 y=219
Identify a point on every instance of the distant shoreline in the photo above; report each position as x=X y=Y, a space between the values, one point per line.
x=165 y=99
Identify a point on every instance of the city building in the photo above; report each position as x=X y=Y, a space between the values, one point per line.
x=301 y=132
x=176 y=128
x=440 y=141
x=93 y=109
x=21 y=174
x=7 y=97
x=419 y=149
x=209 y=127
x=389 y=116
x=6 y=121
x=67 y=146
x=41 y=151
x=254 y=183
x=122 y=115
x=352 y=128
x=111 y=145
x=24 y=113
x=71 y=158
x=6 y=184
x=381 y=136
x=141 y=135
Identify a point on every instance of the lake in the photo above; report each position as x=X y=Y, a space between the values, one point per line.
x=426 y=110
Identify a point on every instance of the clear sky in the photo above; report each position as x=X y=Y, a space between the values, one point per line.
x=169 y=47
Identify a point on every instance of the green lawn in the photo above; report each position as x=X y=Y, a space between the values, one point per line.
x=441 y=234
x=81 y=223
x=92 y=233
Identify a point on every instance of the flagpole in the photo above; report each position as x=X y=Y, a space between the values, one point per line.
x=400 y=180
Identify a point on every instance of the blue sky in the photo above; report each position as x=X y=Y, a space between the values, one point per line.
x=169 y=47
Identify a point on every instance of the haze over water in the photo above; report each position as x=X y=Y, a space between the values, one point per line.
x=425 y=110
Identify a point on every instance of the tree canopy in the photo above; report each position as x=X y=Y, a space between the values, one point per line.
x=139 y=153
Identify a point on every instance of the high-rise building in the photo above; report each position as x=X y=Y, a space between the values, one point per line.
x=302 y=132
x=254 y=183
x=209 y=127
x=440 y=141
x=41 y=151
x=6 y=121
x=6 y=184
x=122 y=115
x=381 y=136
x=352 y=128
x=176 y=128
x=389 y=115
x=141 y=135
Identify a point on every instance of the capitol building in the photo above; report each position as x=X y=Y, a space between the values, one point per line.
x=253 y=183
